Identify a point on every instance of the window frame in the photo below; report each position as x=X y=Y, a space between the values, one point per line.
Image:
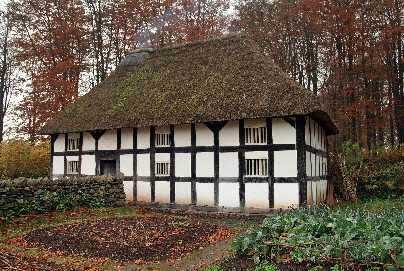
x=162 y=169
x=73 y=143
x=162 y=138
x=73 y=165
x=261 y=135
x=256 y=167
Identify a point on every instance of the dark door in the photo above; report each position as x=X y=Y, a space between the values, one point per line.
x=108 y=167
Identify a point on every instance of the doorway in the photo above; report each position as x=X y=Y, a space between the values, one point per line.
x=108 y=167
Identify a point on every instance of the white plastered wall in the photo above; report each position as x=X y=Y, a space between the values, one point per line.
x=143 y=138
x=285 y=163
x=126 y=164
x=127 y=139
x=256 y=195
x=59 y=145
x=128 y=188
x=205 y=194
x=182 y=135
x=183 y=192
x=143 y=191
x=58 y=165
x=228 y=135
x=286 y=195
x=205 y=164
x=88 y=142
x=88 y=164
x=143 y=164
x=229 y=194
x=162 y=191
x=283 y=132
x=183 y=165
x=108 y=140
x=228 y=164
x=204 y=136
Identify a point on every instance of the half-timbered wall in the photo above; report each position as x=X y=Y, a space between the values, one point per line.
x=252 y=163
x=316 y=162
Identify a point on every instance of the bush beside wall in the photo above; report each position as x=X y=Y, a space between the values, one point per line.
x=24 y=195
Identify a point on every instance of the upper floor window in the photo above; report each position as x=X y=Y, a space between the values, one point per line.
x=162 y=169
x=73 y=167
x=256 y=167
x=73 y=143
x=162 y=140
x=255 y=135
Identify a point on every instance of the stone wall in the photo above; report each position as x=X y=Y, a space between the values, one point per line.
x=110 y=188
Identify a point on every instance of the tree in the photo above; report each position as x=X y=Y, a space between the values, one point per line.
x=112 y=25
x=6 y=65
x=347 y=52
x=53 y=48
x=185 y=21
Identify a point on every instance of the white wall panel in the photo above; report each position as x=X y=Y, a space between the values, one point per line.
x=126 y=164
x=228 y=164
x=128 y=189
x=204 y=136
x=127 y=139
x=229 y=194
x=108 y=140
x=228 y=135
x=163 y=191
x=183 y=192
x=205 y=164
x=205 y=194
x=88 y=142
x=256 y=154
x=162 y=157
x=143 y=191
x=283 y=132
x=285 y=163
x=143 y=138
x=58 y=165
x=183 y=164
x=182 y=135
x=88 y=164
x=286 y=195
x=256 y=195
x=59 y=145
x=143 y=164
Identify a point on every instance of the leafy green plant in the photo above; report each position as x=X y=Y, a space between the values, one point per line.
x=321 y=234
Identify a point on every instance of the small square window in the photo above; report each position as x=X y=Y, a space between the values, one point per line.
x=255 y=135
x=256 y=167
x=73 y=167
x=162 y=140
x=73 y=144
x=162 y=169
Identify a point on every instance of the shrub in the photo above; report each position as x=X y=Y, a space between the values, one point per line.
x=377 y=174
x=19 y=158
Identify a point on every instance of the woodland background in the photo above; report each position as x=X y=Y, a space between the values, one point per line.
x=348 y=52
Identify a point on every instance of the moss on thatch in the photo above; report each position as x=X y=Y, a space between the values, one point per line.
x=212 y=80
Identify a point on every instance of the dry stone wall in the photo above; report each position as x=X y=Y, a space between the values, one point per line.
x=29 y=190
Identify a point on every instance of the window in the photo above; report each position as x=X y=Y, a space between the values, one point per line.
x=73 y=143
x=255 y=135
x=73 y=167
x=162 y=168
x=256 y=167
x=163 y=140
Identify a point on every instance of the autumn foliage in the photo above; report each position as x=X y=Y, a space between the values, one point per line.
x=20 y=158
x=348 y=52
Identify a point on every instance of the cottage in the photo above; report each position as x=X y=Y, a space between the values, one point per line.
x=212 y=122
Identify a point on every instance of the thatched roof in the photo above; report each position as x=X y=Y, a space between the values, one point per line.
x=219 y=79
